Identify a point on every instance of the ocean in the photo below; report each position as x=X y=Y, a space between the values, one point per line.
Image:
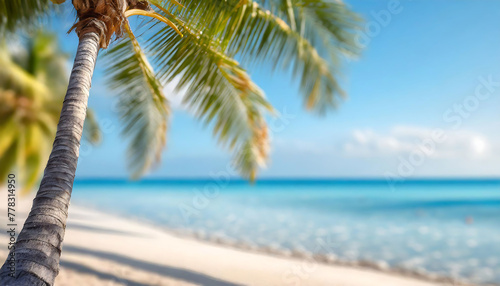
x=436 y=228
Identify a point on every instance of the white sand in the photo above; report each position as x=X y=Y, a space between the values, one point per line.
x=102 y=249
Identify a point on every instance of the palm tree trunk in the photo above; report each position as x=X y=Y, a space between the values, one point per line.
x=38 y=246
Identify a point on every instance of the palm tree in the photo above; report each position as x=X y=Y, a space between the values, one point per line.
x=33 y=80
x=194 y=43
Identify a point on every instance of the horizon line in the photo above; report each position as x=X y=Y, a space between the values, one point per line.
x=289 y=179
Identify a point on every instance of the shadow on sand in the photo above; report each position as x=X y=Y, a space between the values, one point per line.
x=178 y=273
x=84 y=269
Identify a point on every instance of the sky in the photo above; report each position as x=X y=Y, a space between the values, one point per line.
x=423 y=101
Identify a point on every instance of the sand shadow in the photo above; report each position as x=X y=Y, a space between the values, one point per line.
x=178 y=273
x=87 y=270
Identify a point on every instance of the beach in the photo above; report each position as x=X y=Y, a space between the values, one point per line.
x=105 y=249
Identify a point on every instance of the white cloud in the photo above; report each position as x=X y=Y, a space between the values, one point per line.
x=406 y=139
x=174 y=96
x=373 y=153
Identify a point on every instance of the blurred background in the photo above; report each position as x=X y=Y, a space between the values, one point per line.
x=403 y=177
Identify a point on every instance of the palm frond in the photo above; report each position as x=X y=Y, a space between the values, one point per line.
x=17 y=14
x=256 y=35
x=248 y=31
x=219 y=91
x=15 y=77
x=143 y=106
x=330 y=26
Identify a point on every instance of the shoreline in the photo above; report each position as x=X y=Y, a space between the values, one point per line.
x=293 y=254
x=103 y=245
x=321 y=259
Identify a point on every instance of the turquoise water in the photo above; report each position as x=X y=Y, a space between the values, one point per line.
x=445 y=228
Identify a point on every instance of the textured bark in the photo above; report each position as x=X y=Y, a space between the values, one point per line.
x=105 y=16
x=38 y=246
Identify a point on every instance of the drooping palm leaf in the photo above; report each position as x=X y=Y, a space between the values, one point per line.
x=143 y=107
x=219 y=91
x=329 y=25
x=257 y=34
x=248 y=31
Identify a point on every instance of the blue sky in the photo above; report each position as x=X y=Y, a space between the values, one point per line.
x=424 y=71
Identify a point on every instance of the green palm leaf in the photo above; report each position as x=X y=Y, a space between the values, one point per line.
x=219 y=92
x=257 y=35
x=329 y=25
x=17 y=14
x=248 y=31
x=143 y=107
